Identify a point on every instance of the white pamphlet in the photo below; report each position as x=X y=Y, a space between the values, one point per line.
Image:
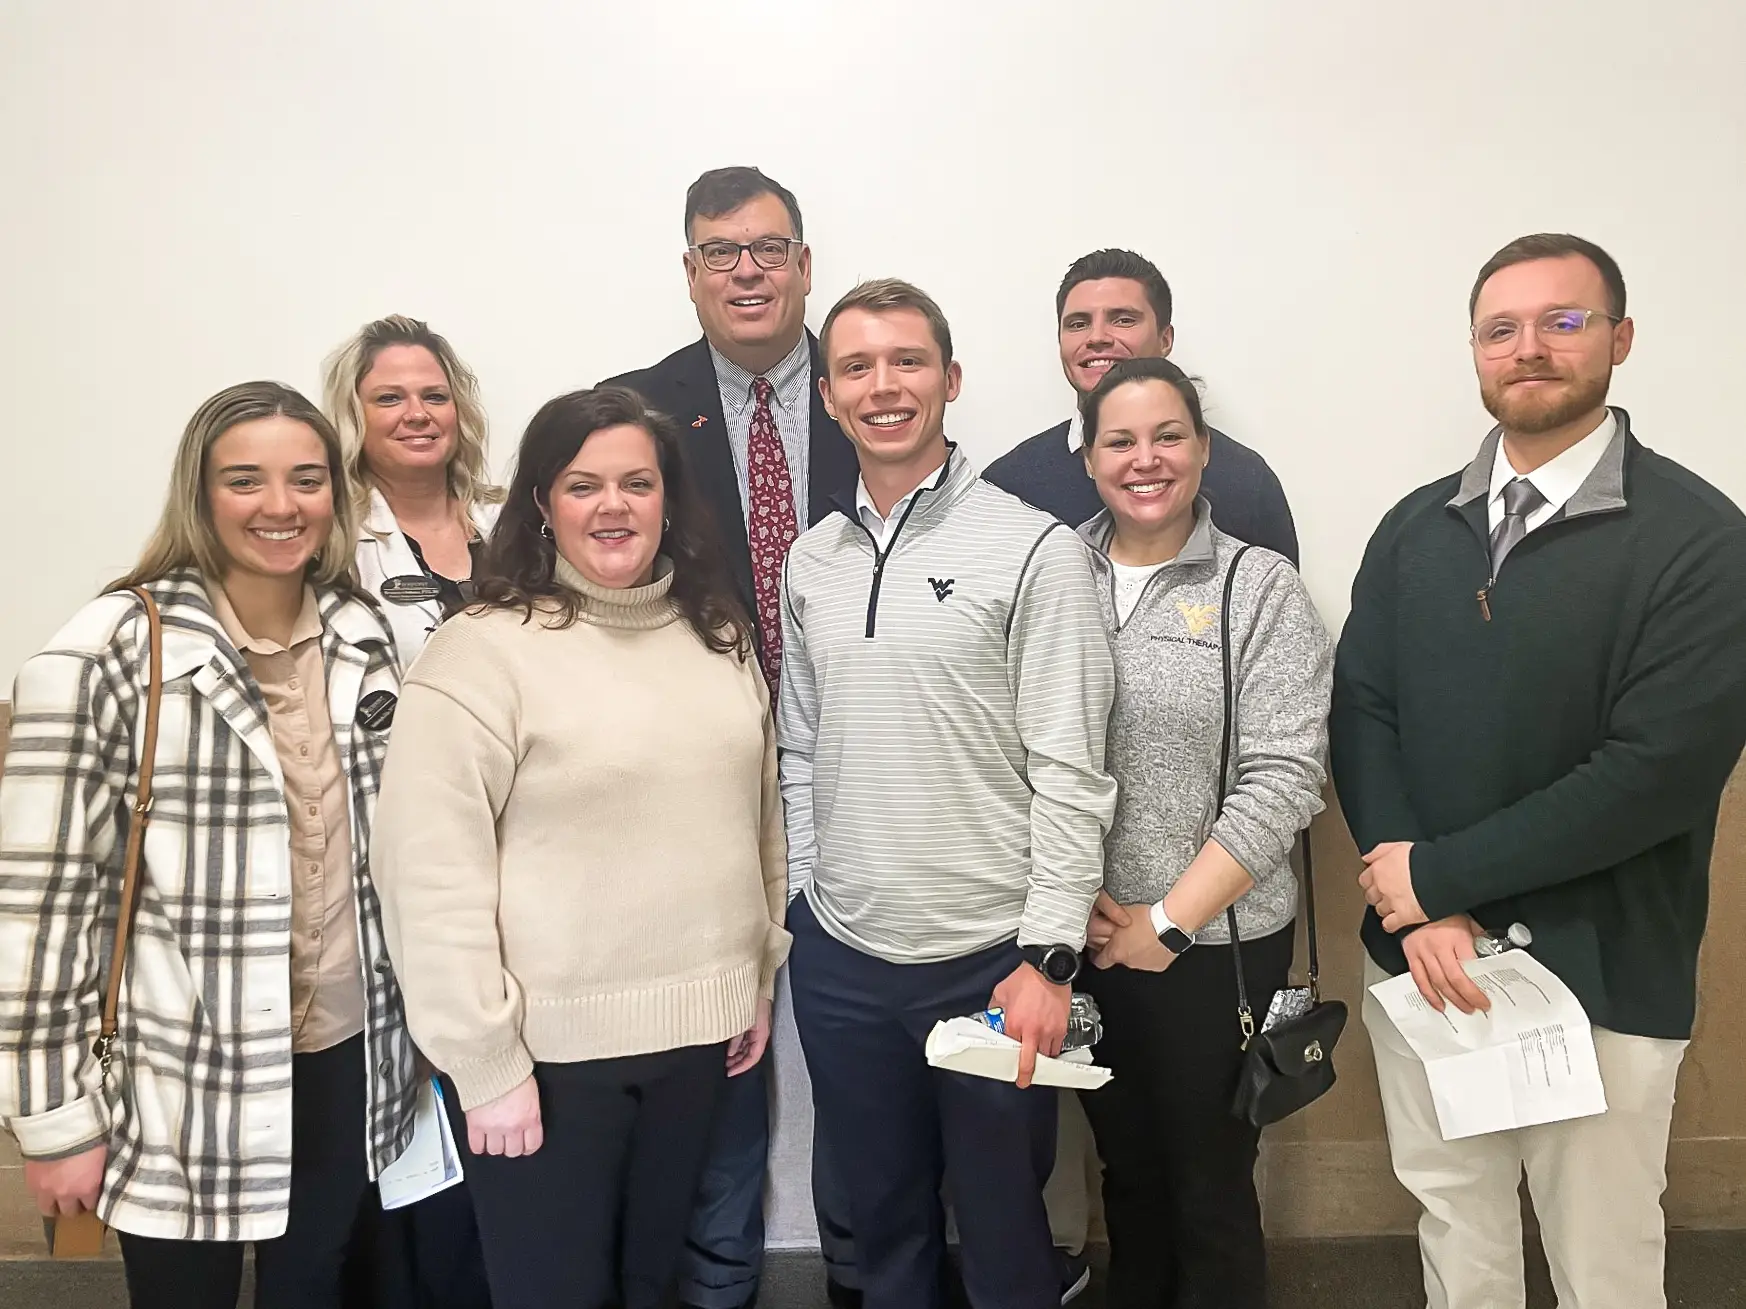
x=1528 y=1060
x=964 y=1045
x=431 y=1163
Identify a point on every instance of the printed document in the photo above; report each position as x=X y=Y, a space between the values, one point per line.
x=431 y=1163
x=1528 y=1060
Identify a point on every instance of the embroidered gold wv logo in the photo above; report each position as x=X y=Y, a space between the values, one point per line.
x=1197 y=618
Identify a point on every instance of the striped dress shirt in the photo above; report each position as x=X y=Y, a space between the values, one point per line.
x=790 y=407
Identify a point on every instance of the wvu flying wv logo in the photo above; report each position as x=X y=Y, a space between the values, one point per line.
x=1197 y=618
x=942 y=587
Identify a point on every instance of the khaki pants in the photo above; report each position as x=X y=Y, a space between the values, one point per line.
x=1077 y=1174
x=1596 y=1182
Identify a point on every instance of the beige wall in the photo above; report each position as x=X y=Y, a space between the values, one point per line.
x=1325 y=1172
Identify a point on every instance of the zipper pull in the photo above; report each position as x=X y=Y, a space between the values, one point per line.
x=1485 y=602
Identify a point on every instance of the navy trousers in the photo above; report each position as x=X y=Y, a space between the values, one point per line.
x=724 y=1250
x=898 y=1128
x=595 y=1218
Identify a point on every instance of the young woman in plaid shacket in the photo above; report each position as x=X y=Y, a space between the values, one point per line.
x=262 y=1075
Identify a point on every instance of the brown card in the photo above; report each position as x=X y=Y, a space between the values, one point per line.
x=79 y=1236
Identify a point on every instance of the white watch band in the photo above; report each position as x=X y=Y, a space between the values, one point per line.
x=1161 y=921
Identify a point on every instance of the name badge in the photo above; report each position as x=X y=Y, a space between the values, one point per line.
x=376 y=710
x=409 y=589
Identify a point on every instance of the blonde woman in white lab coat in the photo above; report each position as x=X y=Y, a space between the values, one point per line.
x=408 y=411
x=409 y=418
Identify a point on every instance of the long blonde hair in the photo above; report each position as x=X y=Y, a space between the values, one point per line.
x=185 y=536
x=344 y=371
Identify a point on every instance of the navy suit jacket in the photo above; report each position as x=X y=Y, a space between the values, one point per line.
x=684 y=386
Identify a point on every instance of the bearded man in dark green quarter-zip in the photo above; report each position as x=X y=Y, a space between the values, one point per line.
x=1538 y=698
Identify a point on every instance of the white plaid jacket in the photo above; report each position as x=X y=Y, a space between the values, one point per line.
x=197 y=1105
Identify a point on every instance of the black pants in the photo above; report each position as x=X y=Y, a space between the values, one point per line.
x=422 y=1256
x=1178 y=1170
x=596 y=1217
x=303 y=1269
x=897 y=1126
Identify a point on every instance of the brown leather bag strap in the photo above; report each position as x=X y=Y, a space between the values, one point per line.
x=142 y=808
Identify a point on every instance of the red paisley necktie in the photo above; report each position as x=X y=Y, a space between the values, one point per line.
x=770 y=527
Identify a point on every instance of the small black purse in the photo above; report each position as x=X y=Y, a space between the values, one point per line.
x=1290 y=1062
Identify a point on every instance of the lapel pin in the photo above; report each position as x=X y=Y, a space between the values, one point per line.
x=699 y=421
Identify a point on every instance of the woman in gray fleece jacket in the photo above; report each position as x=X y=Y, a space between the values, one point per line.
x=1179 y=1195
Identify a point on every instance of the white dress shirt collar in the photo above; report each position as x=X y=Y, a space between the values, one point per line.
x=883 y=528
x=1557 y=479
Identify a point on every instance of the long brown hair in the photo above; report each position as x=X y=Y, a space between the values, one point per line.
x=185 y=536
x=517 y=569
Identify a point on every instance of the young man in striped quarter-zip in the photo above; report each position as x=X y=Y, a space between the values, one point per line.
x=946 y=688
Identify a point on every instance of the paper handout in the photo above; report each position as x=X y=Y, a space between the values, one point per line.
x=430 y=1163
x=1529 y=1060
x=967 y=1046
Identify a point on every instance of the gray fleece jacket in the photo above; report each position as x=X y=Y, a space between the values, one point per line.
x=1167 y=726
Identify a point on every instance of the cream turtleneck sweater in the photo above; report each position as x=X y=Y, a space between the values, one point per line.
x=578 y=843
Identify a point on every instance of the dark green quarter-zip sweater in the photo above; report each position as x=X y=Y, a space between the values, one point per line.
x=1555 y=740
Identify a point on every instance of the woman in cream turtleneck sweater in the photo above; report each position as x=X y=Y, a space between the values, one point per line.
x=580 y=855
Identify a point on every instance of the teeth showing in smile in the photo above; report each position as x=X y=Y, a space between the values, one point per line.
x=1099 y=362
x=749 y=301
x=889 y=419
x=288 y=534
x=613 y=534
x=1144 y=488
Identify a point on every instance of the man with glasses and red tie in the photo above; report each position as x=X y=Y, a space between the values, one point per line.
x=1539 y=696
x=768 y=457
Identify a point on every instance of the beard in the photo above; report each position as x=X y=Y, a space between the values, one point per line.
x=1534 y=412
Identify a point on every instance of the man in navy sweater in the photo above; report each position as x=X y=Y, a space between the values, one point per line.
x=1539 y=695
x=1112 y=305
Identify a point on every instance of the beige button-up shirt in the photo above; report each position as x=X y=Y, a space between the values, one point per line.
x=327 y=977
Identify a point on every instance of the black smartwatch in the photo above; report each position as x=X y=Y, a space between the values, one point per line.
x=1058 y=963
x=1170 y=936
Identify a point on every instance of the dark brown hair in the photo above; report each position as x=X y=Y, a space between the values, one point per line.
x=1100 y=264
x=517 y=570
x=1554 y=245
x=723 y=190
x=1141 y=370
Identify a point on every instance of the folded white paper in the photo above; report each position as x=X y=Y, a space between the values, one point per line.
x=431 y=1163
x=967 y=1046
x=1529 y=1059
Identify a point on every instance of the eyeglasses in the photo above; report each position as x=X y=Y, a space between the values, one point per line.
x=1496 y=337
x=724 y=256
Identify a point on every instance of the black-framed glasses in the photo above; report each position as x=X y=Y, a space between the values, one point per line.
x=724 y=256
x=1497 y=336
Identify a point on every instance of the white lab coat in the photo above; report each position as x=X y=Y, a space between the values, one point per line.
x=384 y=553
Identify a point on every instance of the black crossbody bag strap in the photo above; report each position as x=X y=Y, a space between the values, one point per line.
x=1245 y=1016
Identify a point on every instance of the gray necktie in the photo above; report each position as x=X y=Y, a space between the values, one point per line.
x=1521 y=497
